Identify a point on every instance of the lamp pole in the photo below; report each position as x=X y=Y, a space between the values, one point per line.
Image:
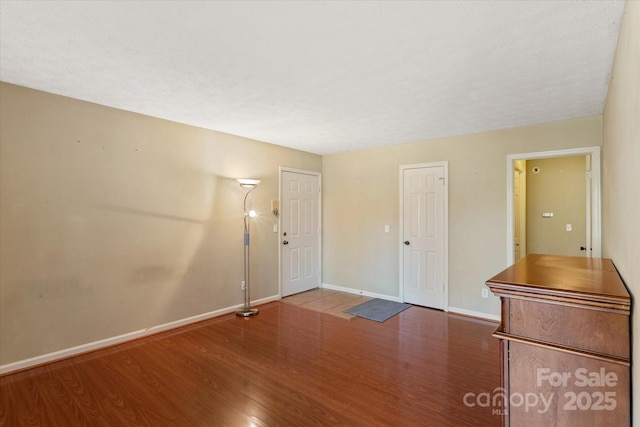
x=246 y=311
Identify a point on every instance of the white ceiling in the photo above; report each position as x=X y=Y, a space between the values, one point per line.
x=323 y=77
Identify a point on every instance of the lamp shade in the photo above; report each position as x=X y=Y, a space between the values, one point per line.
x=245 y=182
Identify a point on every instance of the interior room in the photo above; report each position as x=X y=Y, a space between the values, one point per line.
x=124 y=127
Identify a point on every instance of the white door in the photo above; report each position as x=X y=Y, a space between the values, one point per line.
x=299 y=231
x=423 y=235
x=588 y=245
x=520 y=210
x=516 y=216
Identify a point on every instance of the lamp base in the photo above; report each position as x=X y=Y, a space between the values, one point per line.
x=247 y=312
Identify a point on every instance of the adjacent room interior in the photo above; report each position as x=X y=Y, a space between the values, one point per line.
x=124 y=127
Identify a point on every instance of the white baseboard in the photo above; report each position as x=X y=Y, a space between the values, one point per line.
x=359 y=292
x=474 y=313
x=397 y=299
x=96 y=345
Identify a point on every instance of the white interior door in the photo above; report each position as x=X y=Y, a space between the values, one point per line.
x=299 y=231
x=424 y=235
x=520 y=210
x=517 y=215
x=588 y=245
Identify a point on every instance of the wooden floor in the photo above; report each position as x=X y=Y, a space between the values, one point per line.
x=327 y=301
x=288 y=366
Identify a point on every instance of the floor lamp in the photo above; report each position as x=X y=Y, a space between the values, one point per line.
x=248 y=185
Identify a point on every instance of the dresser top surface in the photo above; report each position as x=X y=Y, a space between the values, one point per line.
x=580 y=277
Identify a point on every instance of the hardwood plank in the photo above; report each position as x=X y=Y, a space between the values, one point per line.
x=288 y=366
x=327 y=301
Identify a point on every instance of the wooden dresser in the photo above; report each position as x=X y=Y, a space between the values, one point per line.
x=565 y=343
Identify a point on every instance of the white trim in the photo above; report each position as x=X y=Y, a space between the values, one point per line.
x=474 y=314
x=445 y=201
x=359 y=292
x=594 y=152
x=454 y=310
x=302 y=172
x=120 y=339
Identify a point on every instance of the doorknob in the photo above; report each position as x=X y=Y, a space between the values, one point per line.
x=406 y=242
x=285 y=243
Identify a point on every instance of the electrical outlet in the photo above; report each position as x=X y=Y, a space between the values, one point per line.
x=242 y=286
x=485 y=293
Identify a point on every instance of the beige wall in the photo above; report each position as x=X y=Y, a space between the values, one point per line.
x=558 y=187
x=621 y=173
x=113 y=222
x=361 y=195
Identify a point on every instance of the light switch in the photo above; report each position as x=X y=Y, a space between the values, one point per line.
x=275 y=228
x=386 y=228
x=568 y=227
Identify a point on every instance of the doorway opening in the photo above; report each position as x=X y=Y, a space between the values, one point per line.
x=518 y=165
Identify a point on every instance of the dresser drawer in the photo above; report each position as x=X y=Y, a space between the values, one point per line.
x=598 y=331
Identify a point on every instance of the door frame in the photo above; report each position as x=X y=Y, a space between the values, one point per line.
x=593 y=198
x=445 y=201
x=281 y=170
